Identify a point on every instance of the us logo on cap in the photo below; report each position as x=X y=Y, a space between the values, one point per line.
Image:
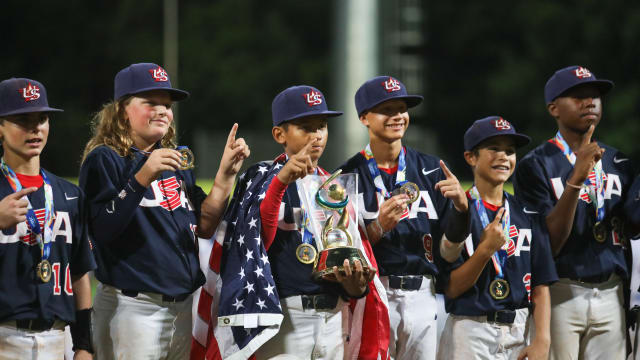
x=502 y=124
x=391 y=85
x=583 y=73
x=159 y=74
x=313 y=98
x=30 y=93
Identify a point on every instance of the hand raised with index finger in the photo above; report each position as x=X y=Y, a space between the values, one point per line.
x=451 y=189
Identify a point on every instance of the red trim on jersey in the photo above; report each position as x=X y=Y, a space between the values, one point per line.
x=389 y=171
x=269 y=210
x=30 y=180
x=486 y=204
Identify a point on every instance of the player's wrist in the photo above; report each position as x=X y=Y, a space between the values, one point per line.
x=81 y=331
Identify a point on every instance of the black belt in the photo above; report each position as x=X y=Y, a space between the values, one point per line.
x=319 y=302
x=596 y=279
x=35 y=324
x=166 y=298
x=502 y=316
x=405 y=282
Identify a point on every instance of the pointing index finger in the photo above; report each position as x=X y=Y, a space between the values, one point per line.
x=232 y=134
x=305 y=149
x=447 y=173
x=499 y=215
x=589 y=134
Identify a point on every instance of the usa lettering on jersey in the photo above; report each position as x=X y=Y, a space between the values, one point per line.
x=423 y=205
x=613 y=186
x=61 y=227
x=169 y=194
x=522 y=243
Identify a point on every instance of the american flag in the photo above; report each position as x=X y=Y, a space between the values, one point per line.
x=239 y=308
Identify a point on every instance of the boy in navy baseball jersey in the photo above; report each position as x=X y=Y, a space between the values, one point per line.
x=578 y=185
x=45 y=253
x=403 y=196
x=146 y=213
x=312 y=327
x=505 y=266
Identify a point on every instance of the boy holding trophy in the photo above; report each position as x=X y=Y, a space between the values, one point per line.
x=312 y=308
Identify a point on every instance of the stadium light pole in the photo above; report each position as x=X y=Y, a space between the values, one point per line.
x=355 y=61
x=170 y=46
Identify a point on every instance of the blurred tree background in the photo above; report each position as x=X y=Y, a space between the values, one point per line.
x=469 y=59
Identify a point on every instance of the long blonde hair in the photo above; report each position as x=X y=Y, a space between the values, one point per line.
x=110 y=126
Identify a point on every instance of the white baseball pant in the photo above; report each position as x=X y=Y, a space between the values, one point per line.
x=473 y=337
x=18 y=344
x=141 y=327
x=587 y=320
x=413 y=321
x=307 y=333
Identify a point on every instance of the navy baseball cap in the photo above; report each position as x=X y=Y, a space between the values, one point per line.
x=380 y=89
x=299 y=101
x=21 y=96
x=489 y=127
x=137 y=78
x=565 y=79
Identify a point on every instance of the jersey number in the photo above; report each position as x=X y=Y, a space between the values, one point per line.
x=67 y=280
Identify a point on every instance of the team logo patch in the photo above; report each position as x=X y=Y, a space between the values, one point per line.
x=159 y=74
x=582 y=73
x=31 y=239
x=391 y=85
x=427 y=241
x=170 y=189
x=30 y=93
x=313 y=98
x=502 y=124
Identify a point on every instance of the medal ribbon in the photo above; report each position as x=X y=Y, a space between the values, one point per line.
x=42 y=237
x=375 y=172
x=499 y=258
x=595 y=180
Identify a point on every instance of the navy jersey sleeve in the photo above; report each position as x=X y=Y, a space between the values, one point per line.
x=113 y=193
x=543 y=268
x=530 y=186
x=82 y=259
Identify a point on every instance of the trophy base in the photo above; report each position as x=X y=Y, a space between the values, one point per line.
x=328 y=258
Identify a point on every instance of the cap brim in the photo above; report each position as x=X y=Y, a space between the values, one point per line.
x=328 y=113
x=411 y=100
x=176 y=94
x=31 y=110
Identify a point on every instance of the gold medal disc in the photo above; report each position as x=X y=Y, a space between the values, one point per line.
x=499 y=289
x=600 y=232
x=187 y=159
x=306 y=253
x=43 y=270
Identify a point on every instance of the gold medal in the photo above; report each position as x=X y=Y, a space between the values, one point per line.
x=410 y=189
x=187 y=159
x=43 y=270
x=306 y=253
x=499 y=289
x=600 y=232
